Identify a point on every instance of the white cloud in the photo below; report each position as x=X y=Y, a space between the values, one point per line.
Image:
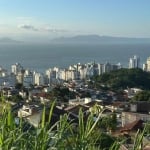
x=42 y=29
x=28 y=27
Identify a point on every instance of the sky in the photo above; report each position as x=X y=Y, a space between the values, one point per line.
x=41 y=20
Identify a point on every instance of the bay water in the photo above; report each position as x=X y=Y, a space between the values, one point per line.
x=40 y=57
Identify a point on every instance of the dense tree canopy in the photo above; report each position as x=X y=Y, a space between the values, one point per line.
x=61 y=93
x=142 y=96
x=123 y=78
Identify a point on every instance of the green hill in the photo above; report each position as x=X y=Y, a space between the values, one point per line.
x=124 y=78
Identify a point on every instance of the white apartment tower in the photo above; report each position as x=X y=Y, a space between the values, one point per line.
x=16 y=68
x=134 y=62
x=38 y=78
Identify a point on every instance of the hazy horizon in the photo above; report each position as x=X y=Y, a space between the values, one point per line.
x=43 y=20
x=80 y=39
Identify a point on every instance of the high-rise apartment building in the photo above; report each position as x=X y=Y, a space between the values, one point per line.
x=38 y=78
x=134 y=62
x=146 y=66
x=16 y=68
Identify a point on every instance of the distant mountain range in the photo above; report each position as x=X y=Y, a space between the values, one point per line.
x=99 y=39
x=8 y=40
x=85 y=39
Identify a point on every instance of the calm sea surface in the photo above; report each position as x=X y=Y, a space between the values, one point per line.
x=40 y=57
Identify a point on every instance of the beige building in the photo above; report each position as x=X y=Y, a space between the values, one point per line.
x=148 y=64
x=129 y=117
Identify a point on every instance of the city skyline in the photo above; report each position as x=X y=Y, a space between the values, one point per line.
x=44 y=20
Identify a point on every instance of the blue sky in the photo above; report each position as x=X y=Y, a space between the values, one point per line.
x=46 y=19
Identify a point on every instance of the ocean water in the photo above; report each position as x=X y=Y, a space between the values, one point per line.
x=40 y=57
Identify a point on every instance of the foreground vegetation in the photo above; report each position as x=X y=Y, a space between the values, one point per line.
x=63 y=135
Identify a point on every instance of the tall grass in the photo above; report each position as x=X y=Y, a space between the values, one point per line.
x=63 y=135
